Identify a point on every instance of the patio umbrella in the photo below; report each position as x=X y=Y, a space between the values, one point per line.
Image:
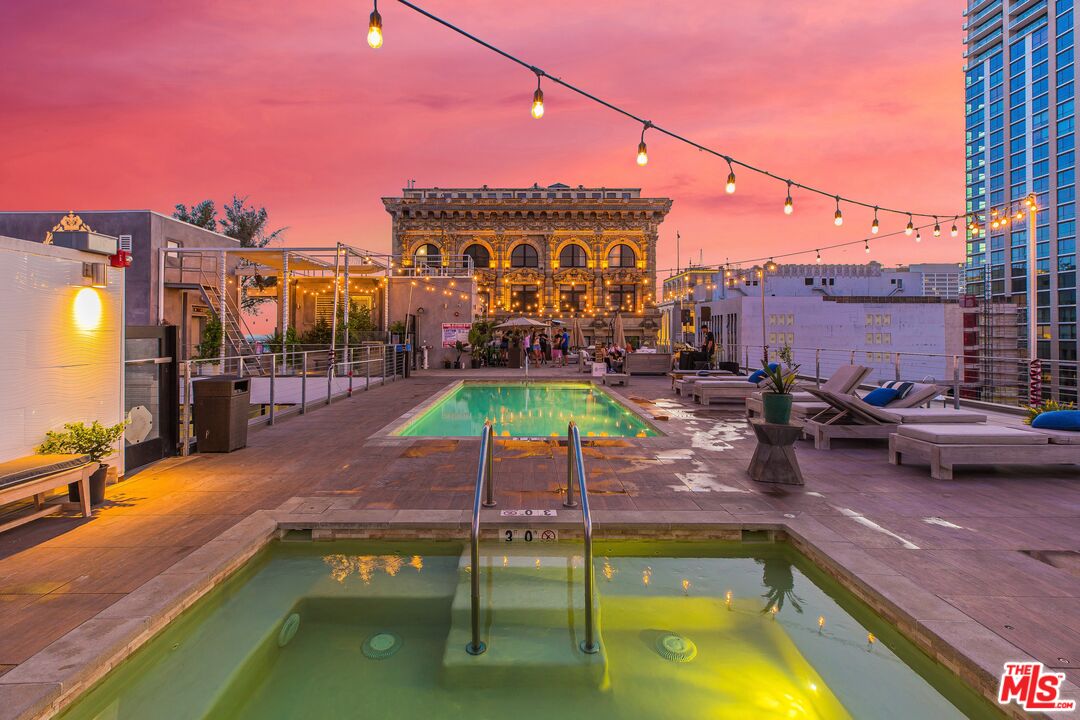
x=521 y=322
x=619 y=335
x=577 y=338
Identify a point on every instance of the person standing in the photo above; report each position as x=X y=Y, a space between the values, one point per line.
x=708 y=347
x=545 y=347
x=564 y=343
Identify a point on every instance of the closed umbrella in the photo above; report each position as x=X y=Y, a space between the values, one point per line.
x=618 y=332
x=577 y=338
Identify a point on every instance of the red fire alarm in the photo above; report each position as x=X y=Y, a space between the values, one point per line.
x=121 y=259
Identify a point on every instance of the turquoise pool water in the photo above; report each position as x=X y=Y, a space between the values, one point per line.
x=378 y=630
x=528 y=410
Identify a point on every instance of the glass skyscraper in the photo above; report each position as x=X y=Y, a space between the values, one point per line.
x=1020 y=124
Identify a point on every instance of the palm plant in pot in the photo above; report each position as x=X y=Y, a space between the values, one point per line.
x=95 y=440
x=780 y=378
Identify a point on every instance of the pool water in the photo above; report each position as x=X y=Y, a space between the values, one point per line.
x=378 y=630
x=528 y=410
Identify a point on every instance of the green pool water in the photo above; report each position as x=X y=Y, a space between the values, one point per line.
x=378 y=630
x=528 y=410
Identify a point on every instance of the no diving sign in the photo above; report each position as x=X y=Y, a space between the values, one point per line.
x=528 y=535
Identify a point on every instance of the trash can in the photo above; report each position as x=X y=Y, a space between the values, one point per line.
x=221 y=413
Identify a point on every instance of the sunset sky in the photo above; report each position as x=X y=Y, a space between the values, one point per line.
x=114 y=104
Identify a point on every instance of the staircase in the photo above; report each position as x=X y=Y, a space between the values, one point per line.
x=234 y=328
x=533 y=605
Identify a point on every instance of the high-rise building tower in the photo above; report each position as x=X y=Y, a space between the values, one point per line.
x=1020 y=124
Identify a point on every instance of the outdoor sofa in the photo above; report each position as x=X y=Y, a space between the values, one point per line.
x=946 y=446
x=34 y=475
x=849 y=417
x=647 y=363
x=803 y=404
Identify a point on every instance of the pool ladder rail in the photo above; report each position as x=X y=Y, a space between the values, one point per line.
x=485 y=487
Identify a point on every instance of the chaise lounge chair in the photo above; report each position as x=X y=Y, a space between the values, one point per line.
x=946 y=446
x=803 y=404
x=685 y=385
x=849 y=417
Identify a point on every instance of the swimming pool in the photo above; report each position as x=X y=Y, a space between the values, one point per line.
x=378 y=630
x=535 y=409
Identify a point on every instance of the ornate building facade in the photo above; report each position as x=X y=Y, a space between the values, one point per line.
x=552 y=252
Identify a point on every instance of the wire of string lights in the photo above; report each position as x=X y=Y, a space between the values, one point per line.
x=642 y=156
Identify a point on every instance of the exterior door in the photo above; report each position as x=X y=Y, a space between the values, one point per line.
x=151 y=389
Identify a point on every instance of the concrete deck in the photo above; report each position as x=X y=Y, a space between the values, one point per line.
x=994 y=550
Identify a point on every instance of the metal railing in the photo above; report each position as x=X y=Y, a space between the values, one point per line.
x=483 y=473
x=452 y=266
x=996 y=379
x=575 y=462
x=367 y=363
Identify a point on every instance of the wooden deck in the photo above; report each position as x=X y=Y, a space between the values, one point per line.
x=1000 y=547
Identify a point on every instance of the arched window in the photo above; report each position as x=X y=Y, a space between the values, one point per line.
x=524 y=256
x=572 y=256
x=428 y=255
x=481 y=258
x=622 y=256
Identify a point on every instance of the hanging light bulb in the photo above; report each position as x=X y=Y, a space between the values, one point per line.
x=1004 y=220
x=374 y=32
x=918 y=236
x=1020 y=215
x=642 y=151
x=937 y=228
x=910 y=226
x=538 y=100
x=953 y=232
x=787 y=200
x=838 y=217
x=866 y=246
x=730 y=188
x=994 y=224
x=874 y=227
x=818 y=256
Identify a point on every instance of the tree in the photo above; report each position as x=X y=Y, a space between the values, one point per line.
x=248 y=225
x=202 y=215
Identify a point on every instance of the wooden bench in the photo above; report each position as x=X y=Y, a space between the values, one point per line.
x=34 y=475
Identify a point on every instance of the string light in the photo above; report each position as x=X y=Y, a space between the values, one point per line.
x=953 y=232
x=866 y=246
x=937 y=228
x=642 y=150
x=787 y=201
x=910 y=226
x=874 y=226
x=730 y=188
x=838 y=217
x=818 y=256
x=918 y=236
x=538 y=99
x=374 y=33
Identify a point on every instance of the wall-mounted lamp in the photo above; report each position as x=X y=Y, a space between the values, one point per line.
x=95 y=274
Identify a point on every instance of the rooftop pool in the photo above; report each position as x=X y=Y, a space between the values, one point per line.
x=534 y=409
x=378 y=630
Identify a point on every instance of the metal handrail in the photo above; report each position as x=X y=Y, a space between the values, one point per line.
x=576 y=466
x=483 y=472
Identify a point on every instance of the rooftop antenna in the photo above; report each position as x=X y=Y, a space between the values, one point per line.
x=678 y=251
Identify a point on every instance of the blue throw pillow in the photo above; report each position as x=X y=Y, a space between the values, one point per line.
x=881 y=397
x=1057 y=420
x=759 y=375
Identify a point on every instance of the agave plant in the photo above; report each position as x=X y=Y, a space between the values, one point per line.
x=780 y=376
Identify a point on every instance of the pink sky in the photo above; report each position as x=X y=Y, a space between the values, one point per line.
x=112 y=104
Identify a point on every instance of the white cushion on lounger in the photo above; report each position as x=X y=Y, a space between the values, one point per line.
x=956 y=434
x=725 y=383
x=937 y=415
x=808 y=408
x=1057 y=437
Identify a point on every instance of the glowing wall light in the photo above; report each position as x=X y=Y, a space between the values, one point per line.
x=87 y=309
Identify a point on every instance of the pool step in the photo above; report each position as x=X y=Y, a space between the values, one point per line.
x=532 y=619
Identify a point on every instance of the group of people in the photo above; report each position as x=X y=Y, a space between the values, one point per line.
x=613 y=356
x=540 y=347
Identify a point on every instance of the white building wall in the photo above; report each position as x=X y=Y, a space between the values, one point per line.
x=62 y=357
x=875 y=331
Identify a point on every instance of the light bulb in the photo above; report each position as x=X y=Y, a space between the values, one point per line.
x=838 y=217
x=538 y=104
x=910 y=226
x=374 y=34
x=994 y=224
x=918 y=236
x=937 y=228
x=954 y=231
x=642 y=154
x=730 y=187
x=787 y=201
x=819 y=257
x=866 y=246
x=1004 y=220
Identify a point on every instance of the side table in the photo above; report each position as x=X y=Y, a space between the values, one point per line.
x=774 y=458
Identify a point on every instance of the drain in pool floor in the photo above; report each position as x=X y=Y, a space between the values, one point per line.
x=381 y=645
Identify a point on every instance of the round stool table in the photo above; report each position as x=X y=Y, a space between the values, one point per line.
x=774 y=458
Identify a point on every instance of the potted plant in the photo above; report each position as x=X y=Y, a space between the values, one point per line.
x=397 y=331
x=95 y=440
x=780 y=378
x=461 y=348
